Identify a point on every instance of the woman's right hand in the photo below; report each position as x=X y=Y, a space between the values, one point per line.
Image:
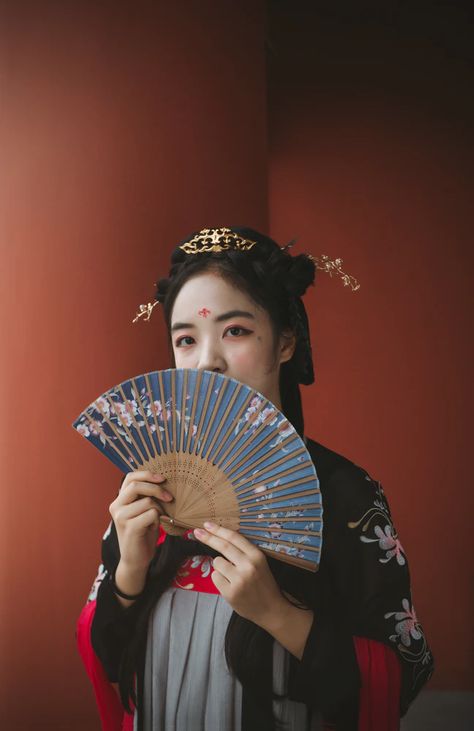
x=136 y=512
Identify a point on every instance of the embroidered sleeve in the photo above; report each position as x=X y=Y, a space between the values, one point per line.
x=381 y=586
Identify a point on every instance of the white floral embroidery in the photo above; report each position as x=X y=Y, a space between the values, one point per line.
x=407 y=627
x=388 y=541
x=203 y=562
x=101 y=574
x=384 y=530
x=411 y=642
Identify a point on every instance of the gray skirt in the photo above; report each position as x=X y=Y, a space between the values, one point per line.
x=187 y=684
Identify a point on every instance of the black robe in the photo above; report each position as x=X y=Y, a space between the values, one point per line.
x=362 y=589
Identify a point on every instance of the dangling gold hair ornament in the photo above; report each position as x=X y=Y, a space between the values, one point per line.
x=145 y=311
x=330 y=266
x=221 y=239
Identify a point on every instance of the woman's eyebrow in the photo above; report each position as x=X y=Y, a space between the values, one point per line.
x=219 y=318
x=234 y=313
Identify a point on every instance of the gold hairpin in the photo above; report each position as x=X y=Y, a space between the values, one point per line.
x=216 y=240
x=145 y=310
x=222 y=239
x=330 y=266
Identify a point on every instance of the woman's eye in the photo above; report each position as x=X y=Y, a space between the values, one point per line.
x=236 y=331
x=180 y=341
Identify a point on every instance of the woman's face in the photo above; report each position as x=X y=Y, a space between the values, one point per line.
x=216 y=327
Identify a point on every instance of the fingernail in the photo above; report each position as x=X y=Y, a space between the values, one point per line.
x=167 y=495
x=199 y=533
x=209 y=525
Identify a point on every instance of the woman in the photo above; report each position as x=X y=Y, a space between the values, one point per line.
x=205 y=632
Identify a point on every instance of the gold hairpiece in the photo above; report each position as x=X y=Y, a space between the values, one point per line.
x=330 y=266
x=145 y=310
x=216 y=240
x=222 y=239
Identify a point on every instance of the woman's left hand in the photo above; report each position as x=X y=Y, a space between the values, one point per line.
x=242 y=575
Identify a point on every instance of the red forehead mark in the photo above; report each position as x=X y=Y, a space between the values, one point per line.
x=204 y=312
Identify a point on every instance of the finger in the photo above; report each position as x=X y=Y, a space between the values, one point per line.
x=146 y=520
x=226 y=548
x=145 y=475
x=224 y=567
x=142 y=489
x=220 y=582
x=232 y=536
x=132 y=510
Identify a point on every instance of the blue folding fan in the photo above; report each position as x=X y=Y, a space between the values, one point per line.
x=229 y=455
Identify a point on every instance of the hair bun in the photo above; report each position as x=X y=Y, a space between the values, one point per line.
x=300 y=275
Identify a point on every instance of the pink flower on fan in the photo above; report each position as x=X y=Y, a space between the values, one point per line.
x=285 y=428
x=83 y=429
x=155 y=409
x=131 y=406
x=250 y=414
x=95 y=428
x=123 y=413
x=103 y=406
x=260 y=488
x=268 y=416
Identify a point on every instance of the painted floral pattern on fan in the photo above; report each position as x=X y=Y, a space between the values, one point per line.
x=229 y=455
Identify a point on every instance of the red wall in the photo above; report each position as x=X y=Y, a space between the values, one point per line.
x=127 y=126
x=371 y=160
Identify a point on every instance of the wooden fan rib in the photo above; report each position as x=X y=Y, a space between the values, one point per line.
x=147 y=454
x=221 y=424
x=153 y=413
x=247 y=490
x=208 y=488
x=244 y=434
x=144 y=417
x=236 y=466
x=292 y=531
x=251 y=494
x=272 y=466
x=278 y=499
x=197 y=388
x=287 y=544
x=231 y=426
x=210 y=421
x=293 y=560
x=173 y=410
x=183 y=410
x=110 y=424
x=109 y=441
x=198 y=448
x=258 y=509
x=264 y=520
x=124 y=426
x=164 y=411
x=268 y=474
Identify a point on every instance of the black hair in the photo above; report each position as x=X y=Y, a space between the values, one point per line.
x=275 y=281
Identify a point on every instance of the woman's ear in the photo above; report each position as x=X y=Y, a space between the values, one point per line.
x=287 y=345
